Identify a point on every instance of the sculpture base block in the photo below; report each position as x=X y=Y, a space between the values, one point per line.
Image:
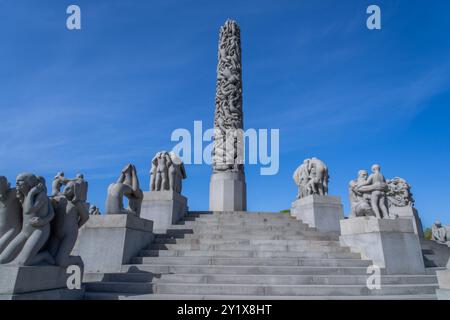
x=47 y=282
x=390 y=244
x=227 y=192
x=108 y=241
x=164 y=208
x=443 y=293
x=321 y=212
x=409 y=212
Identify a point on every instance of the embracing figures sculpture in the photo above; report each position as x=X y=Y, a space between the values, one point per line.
x=312 y=178
x=368 y=194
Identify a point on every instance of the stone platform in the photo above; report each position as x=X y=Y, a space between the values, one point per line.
x=108 y=241
x=321 y=212
x=250 y=256
x=163 y=208
x=390 y=244
x=36 y=283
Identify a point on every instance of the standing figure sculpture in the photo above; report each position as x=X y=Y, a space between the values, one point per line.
x=126 y=186
x=228 y=119
x=377 y=187
x=312 y=178
x=167 y=172
x=25 y=248
x=177 y=173
x=160 y=171
x=10 y=214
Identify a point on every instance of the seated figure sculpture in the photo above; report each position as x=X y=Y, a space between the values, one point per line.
x=359 y=202
x=24 y=249
x=126 y=186
x=167 y=172
x=311 y=177
x=439 y=233
x=10 y=214
x=71 y=213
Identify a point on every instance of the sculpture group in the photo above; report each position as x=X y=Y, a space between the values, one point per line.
x=37 y=229
x=312 y=178
x=167 y=172
x=368 y=194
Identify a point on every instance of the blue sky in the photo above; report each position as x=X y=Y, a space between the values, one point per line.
x=93 y=100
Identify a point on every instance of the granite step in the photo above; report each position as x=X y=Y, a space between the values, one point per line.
x=213 y=238
x=293 y=279
x=305 y=241
x=251 y=261
x=244 y=270
x=250 y=247
x=258 y=290
x=249 y=254
x=130 y=296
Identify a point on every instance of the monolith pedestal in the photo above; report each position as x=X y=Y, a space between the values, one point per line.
x=390 y=244
x=321 y=212
x=227 y=192
x=164 y=208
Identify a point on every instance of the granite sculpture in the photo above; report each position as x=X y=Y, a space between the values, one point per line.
x=167 y=172
x=369 y=190
x=37 y=212
x=126 y=186
x=94 y=210
x=228 y=117
x=399 y=193
x=10 y=214
x=50 y=226
x=71 y=213
x=439 y=233
x=228 y=190
x=312 y=178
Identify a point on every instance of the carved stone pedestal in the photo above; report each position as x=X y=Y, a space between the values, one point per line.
x=164 y=208
x=37 y=283
x=108 y=241
x=443 y=293
x=227 y=192
x=409 y=212
x=321 y=212
x=390 y=244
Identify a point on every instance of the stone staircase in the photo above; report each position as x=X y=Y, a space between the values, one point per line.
x=255 y=256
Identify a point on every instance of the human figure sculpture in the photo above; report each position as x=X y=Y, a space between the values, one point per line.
x=377 y=187
x=177 y=173
x=71 y=214
x=94 y=210
x=311 y=177
x=10 y=214
x=360 y=202
x=126 y=186
x=399 y=193
x=58 y=181
x=167 y=172
x=439 y=233
x=160 y=172
x=25 y=248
